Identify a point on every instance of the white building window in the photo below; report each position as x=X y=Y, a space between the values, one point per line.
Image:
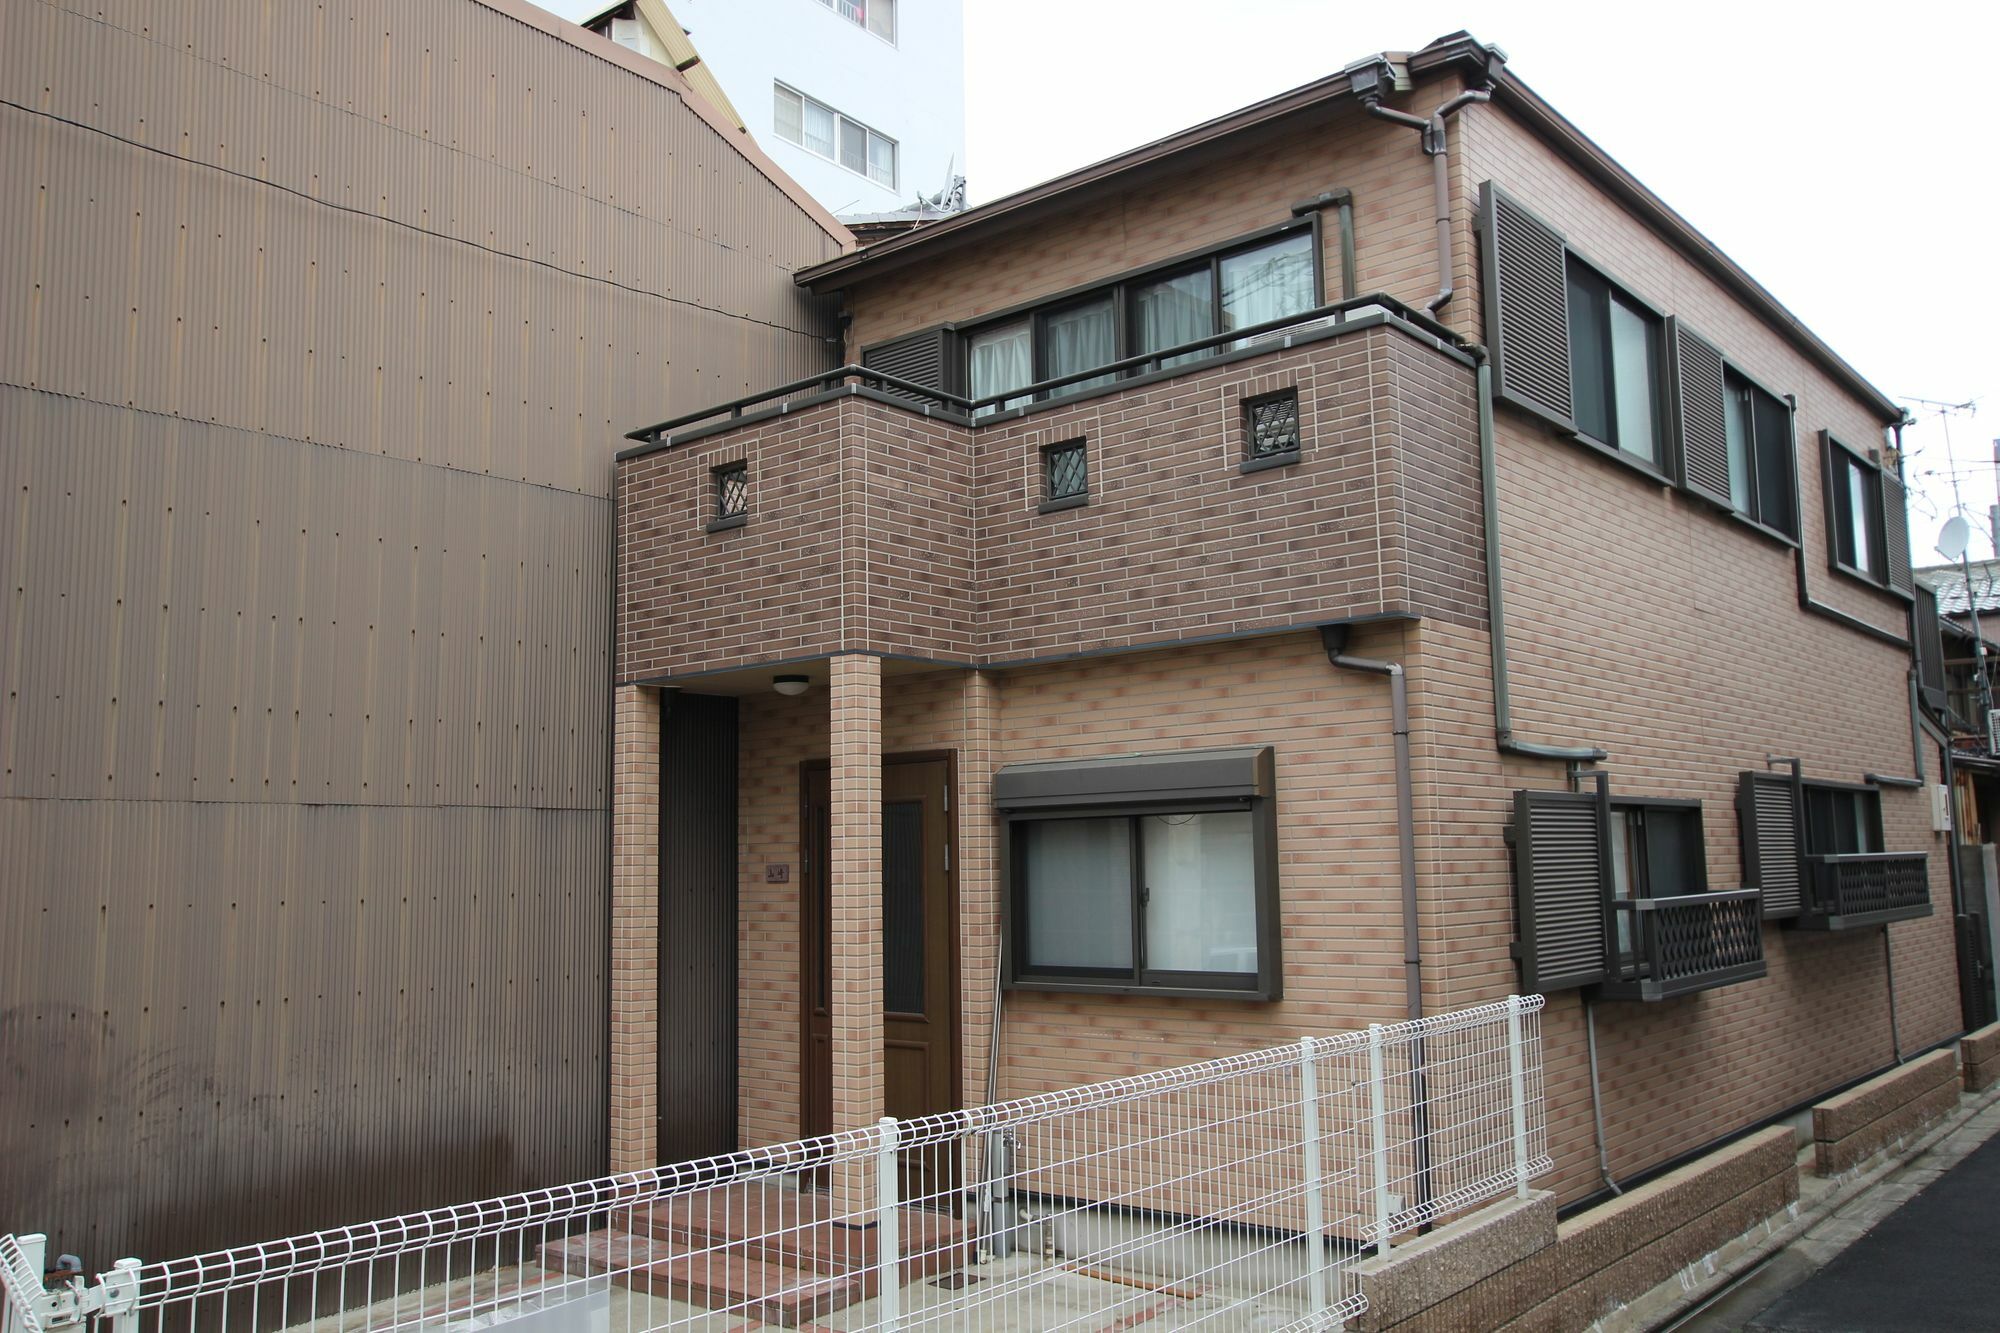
x=878 y=16
x=824 y=132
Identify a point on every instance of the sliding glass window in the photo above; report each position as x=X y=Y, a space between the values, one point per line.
x=1233 y=288
x=1268 y=282
x=1167 y=312
x=1614 y=345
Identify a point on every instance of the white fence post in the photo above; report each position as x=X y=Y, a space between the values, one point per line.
x=121 y=1295
x=888 y=1237
x=1314 y=1181
x=1517 y=1085
x=1378 y=1124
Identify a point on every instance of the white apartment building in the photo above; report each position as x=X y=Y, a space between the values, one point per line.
x=861 y=101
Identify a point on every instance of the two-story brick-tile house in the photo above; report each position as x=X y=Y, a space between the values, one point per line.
x=1358 y=557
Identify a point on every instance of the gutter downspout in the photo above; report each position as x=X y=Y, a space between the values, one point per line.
x=1437 y=147
x=1335 y=637
x=1496 y=601
x=1597 y=1099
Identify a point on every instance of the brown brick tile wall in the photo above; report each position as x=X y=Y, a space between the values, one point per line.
x=873 y=528
x=1637 y=621
x=1336 y=829
x=1215 y=197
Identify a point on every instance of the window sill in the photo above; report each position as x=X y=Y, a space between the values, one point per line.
x=1268 y=462
x=725 y=524
x=1078 y=986
x=1637 y=464
x=1853 y=575
x=1067 y=502
x=1741 y=519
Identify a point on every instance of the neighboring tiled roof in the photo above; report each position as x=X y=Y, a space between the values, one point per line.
x=1948 y=581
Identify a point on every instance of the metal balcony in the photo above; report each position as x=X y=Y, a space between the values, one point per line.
x=1848 y=892
x=1680 y=945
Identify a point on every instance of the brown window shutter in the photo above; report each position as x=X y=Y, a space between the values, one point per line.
x=927 y=358
x=1561 y=887
x=1770 y=813
x=1896 y=533
x=1527 y=308
x=1928 y=642
x=1698 y=414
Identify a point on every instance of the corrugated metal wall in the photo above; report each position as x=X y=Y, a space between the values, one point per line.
x=320 y=326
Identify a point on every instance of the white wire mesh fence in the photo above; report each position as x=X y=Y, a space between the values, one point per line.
x=1241 y=1193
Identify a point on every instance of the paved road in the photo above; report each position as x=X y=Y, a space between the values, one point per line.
x=1933 y=1263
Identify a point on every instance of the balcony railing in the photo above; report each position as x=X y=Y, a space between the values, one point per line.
x=1846 y=892
x=1272 y=335
x=1693 y=942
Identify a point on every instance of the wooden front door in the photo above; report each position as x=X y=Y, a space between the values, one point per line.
x=920 y=1037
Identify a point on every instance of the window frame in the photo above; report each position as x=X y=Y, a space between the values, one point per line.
x=1619 y=946
x=1871 y=794
x=864 y=23
x=1051 y=502
x=1733 y=371
x=1118 y=287
x=1666 y=440
x=1262 y=985
x=721 y=519
x=1252 y=461
x=841 y=122
x=1839 y=456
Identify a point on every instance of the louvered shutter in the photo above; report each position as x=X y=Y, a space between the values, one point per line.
x=1770 y=814
x=1896 y=533
x=1928 y=641
x=1527 y=308
x=1560 y=888
x=926 y=358
x=1699 y=410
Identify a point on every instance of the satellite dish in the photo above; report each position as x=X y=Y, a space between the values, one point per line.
x=1954 y=537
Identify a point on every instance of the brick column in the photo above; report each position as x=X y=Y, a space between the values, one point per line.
x=855 y=888
x=854 y=937
x=635 y=927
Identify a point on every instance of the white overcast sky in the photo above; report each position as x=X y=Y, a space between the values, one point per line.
x=1843 y=153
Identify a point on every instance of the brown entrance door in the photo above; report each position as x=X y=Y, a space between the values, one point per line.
x=919 y=946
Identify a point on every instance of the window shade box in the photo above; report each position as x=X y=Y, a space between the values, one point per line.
x=1233 y=773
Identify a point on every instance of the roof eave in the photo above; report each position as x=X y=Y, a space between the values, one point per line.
x=926 y=242
x=889 y=255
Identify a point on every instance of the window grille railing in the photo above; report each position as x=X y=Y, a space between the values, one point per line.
x=1691 y=942
x=1245 y=1192
x=1848 y=891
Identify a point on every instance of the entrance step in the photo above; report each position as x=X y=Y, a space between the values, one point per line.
x=724 y=1280
x=795 y=1229
x=756 y=1249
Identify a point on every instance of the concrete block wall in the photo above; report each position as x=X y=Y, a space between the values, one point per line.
x=1589 y=1264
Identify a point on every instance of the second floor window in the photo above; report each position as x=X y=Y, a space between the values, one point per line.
x=1236 y=287
x=1759 y=431
x=998 y=358
x=1614 y=350
x=824 y=132
x=1854 y=488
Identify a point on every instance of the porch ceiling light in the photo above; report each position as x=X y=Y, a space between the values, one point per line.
x=791 y=686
